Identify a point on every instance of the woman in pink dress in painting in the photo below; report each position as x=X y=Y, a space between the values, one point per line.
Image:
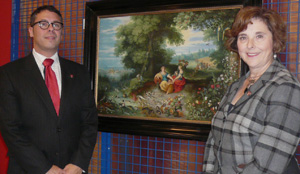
x=179 y=80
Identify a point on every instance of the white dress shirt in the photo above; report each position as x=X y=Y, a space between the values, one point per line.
x=39 y=59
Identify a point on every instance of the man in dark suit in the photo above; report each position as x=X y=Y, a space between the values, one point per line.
x=45 y=133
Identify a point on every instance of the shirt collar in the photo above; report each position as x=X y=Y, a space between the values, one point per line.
x=40 y=58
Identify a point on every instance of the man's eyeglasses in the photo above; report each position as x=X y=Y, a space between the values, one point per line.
x=44 y=25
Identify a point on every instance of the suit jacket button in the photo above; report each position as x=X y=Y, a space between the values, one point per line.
x=58 y=129
x=56 y=153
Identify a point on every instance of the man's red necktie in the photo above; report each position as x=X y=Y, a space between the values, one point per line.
x=51 y=83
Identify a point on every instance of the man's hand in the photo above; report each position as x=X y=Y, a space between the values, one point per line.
x=72 y=169
x=55 y=170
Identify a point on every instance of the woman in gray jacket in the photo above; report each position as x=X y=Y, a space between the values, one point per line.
x=256 y=129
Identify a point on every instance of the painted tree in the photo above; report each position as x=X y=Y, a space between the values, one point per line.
x=214 y=24
x=142 y=42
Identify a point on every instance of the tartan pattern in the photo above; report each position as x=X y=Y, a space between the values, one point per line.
x=262 y=130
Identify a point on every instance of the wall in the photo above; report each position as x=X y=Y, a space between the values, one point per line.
x=118 y=153
x=5 y=35
x=5 y=31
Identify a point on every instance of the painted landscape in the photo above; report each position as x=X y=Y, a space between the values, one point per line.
x=166 y=66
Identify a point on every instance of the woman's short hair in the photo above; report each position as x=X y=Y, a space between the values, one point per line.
x=271 y=18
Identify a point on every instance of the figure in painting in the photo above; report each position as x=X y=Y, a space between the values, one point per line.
x=170 y=88
x=179 y=80
x=164 y=79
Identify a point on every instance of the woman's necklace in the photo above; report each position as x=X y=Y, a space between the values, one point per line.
x=251 y=81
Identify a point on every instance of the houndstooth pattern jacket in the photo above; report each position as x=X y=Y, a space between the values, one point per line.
x=261 y=132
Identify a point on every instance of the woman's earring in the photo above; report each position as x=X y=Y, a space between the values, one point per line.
x=275 y=56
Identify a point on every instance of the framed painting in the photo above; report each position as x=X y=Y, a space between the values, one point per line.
x=160 y=68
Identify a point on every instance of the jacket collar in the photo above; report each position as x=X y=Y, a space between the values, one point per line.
x=268 y=75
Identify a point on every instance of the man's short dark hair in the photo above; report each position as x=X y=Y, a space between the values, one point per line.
x=50 y=8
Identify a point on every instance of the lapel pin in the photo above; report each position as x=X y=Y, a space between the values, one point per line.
x=71 y=76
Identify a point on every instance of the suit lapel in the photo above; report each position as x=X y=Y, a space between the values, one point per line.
x=66 y=78
x=37 y=82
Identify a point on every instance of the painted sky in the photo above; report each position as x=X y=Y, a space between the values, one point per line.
x=107 y=59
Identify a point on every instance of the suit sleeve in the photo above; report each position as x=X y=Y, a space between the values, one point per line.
x=279 y=140
x=20 y=148
x=89 y=127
